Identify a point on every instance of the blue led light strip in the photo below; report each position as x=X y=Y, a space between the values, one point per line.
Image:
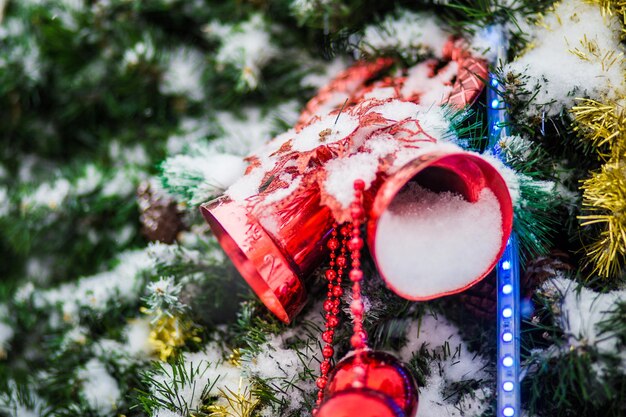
x=508 y=331
x=508 y=273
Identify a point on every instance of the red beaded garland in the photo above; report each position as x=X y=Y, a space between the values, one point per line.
x=333 y=274
x=359 y=338
x=368 y=384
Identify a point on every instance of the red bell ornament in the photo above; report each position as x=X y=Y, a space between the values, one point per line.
x=383 y=373
x=276 y=232
x=442 y=245
x=361 y=402
x=274 y=250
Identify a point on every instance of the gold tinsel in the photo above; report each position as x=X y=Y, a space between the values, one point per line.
x=168 y=333
x=235 y=357
x=612 y=7
x=239 y=404
x=604 y=194
x=602 y=124
x=588 y=50
x=605 y=199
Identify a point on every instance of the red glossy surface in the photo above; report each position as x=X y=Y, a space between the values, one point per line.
x=359 y=403
x=461 y=172
x=273 y=265
x=383 y=373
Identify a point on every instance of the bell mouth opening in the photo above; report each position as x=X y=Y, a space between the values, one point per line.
x=439 y=225
x=256 y=257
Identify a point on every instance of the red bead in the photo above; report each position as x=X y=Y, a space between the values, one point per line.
x=356 y=243
x=336 y=310
x=337 y=291
x=356 y=263
x=384 y=374
x=357 y=341
x=356 y=212
x=356 y=306
x=332 y=321
x=325 y=366
x=356 y=275
x=331 y=274
x=362 y=402
x=341 y=261
x=345 y=231
x=328 y=335
x=328 y=351
x=333 y=244
x=328 y=305
x=321 y=382
x=359 y=185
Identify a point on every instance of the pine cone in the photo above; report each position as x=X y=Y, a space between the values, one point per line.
x=161 y=221
x=542 y=268
x=481 y=299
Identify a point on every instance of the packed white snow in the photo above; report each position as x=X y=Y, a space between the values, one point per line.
x=342 y=172
x=577 y=53
x=430 y=243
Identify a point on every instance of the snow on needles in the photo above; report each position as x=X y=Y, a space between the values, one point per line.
x=577 y=52
x=120 y=284
x=581 y=310
x=408 y=33
x=247 y=46
x=205 y=374
x=99 y=388
x=452 y=362
x=198 y=178
x=6 y=331
x=183 y=74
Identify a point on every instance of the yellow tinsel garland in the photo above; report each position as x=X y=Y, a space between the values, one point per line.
x=168 y=333
x=605 y=199
x=604 y=194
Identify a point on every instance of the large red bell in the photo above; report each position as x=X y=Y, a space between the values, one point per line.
x=274 y=250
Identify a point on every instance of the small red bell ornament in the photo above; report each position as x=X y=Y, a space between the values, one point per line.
x=360 y=402
x=383 y=373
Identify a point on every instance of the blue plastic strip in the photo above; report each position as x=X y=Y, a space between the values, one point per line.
x=508 y=280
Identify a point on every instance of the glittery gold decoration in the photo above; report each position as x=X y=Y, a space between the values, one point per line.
x=605 y=198
x=588 y=50
x=235 y=357
x=238 y=404
x=612 y=7
x=168 y=333
x=604 y=194
x=602 y=124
